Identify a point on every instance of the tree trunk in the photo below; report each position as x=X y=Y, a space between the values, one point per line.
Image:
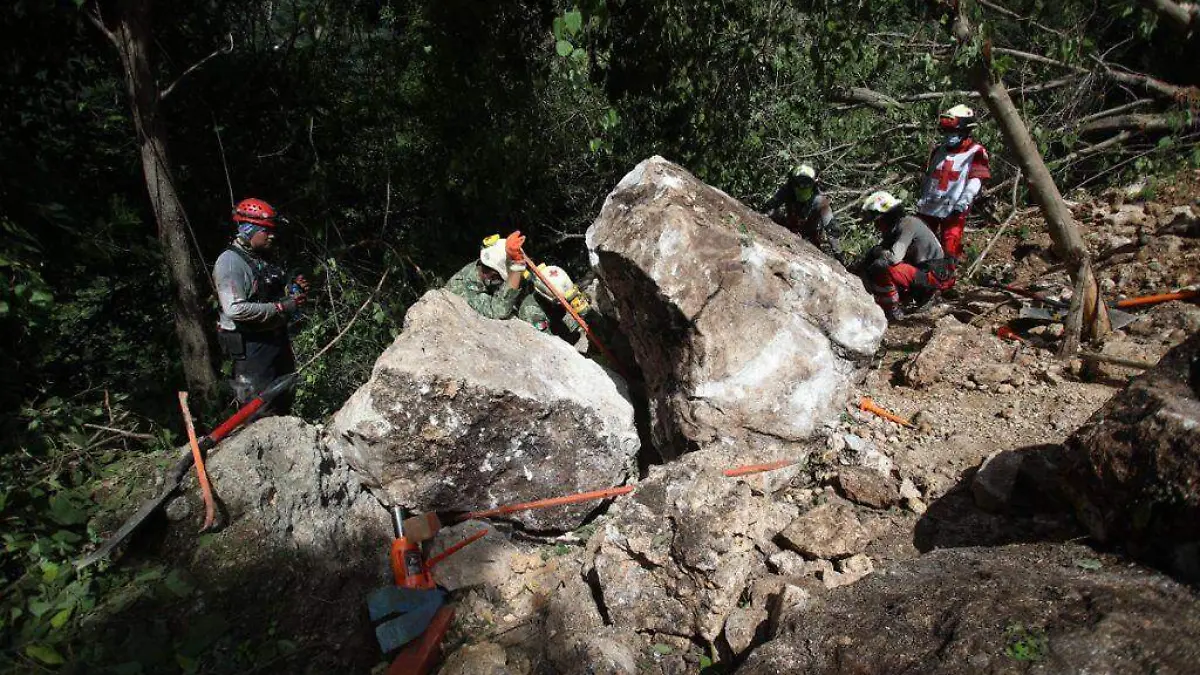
x=127 y=25
x=1068 y=245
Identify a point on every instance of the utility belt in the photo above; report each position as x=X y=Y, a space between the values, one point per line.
x=938 y=274
x=233 y=342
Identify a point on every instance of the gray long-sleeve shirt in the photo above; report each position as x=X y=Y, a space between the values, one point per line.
x=912 y=241
x=236 y=285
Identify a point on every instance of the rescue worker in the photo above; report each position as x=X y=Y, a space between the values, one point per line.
x=910 y=264
x=957 y=168
x=257 y=304
x=807 y=211
x=499 y=286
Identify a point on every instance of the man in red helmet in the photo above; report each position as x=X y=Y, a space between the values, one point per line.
x=256 y=305
x=957 y=168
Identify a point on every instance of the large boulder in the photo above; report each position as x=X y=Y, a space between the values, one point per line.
x=675 y=556
x=1042 y=608
x=465 y=412
x=1132 y=471
x=303 y=543
x=747 y=335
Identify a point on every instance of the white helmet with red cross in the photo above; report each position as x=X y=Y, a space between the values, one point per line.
x=960 y=118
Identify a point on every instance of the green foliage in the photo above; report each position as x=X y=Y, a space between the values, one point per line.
x=1026 y=643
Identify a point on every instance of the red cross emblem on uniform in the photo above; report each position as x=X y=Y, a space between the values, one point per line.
x=945 y=174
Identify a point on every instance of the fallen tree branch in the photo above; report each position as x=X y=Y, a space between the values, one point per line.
x=1000 y=232
x=874 y=99
x=120 y=432
x=1141 y=122
x=1184 y=16
x=1028 y=56
x=1089 y=150
x=1141 y=102
x=1008 y=12
x=1183 y=95
x=867 y=97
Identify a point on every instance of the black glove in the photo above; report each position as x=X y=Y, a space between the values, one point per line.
x=878 y=266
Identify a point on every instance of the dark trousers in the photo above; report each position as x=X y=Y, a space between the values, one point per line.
x=258 y=359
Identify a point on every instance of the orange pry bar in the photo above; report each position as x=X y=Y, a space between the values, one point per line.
x=867 y=405
x=454 y=549
x=547 y=503
x=210 y=507
x=532 y=266
x=757 y=468
x=1156 y=299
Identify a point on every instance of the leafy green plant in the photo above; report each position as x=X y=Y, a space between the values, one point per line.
x=1026 y=643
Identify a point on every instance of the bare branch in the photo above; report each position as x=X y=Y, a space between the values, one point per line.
x=1009 y=13
x=1038 y=58
x=1142 y=123
x=220 y=50
x=1182 y=95
x=1141 y=102
x=866 y=97
x=1089 y=150
x=92 y=12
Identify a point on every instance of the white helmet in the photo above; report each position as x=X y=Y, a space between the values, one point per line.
x=958 y=118
x=561 y=281
x=804 y=171
x=493 y=255
x=879 y=203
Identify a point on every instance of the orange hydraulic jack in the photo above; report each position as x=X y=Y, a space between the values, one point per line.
x=412 y=613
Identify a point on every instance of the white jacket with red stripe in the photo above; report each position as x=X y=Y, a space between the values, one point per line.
x=953 y=178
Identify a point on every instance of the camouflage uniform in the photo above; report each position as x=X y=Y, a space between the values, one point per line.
x=499 y=300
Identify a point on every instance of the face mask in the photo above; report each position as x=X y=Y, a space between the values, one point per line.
x=954 y=140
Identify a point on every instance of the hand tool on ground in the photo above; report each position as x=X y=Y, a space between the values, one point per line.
x=1186 y=294
x=532 y=266
x=1006 y=333
x=757 y=468
x=403 y=611
x=184 y=462
x=458 y=516
x=1116 y=317
x=210 y=505
x=867 y=405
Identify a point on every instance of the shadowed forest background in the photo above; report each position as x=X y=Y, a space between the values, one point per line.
x=395 y=135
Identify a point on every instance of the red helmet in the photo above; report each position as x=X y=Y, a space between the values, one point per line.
x=255 y=211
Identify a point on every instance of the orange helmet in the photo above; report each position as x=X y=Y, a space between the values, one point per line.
x=255 y=211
